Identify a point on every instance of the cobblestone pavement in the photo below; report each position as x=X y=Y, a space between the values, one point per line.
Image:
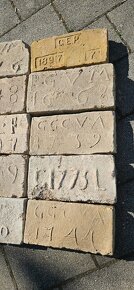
x=28 y=268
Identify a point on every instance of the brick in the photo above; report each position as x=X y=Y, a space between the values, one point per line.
x=72 y=89
x=12 y=216
x=12 y=94
x=14 y=58
x=72 y=178
x=8 y=17
x=73 y=49
x=84 y=133
x=14 y=133
x=85 y=227
x=14 y=169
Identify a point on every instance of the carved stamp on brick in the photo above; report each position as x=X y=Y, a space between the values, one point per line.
x=72 y=89
x=84 y=133
x=12 y=217
x=68 y=50
x=14 y=133
x=14 y=58
x=77 y=226
x=12 y=94
x=72 y=178
x=13 y=176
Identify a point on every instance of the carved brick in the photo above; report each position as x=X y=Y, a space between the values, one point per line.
x=14 y=133
x=68 y=50
x=85 y=227
x=12 y=217
x=13 y=175
x=14 y=58
x=12 y=95
x=84 y=133
x=72 y=178
x=75 y=89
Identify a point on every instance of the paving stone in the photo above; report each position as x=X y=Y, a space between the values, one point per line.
x=42 y=24
x=68 y=50
x=78 y=14
x=12 y=217
x=36 y=268
x=104 y=260
x=12 y=95
x=14 y=58
x=14 y=169
x=6 y=282
x=117 y=276
x=85 y=227
x=27 y=8
x=8 y=17
x=116 y=48
x=124 y=71
x=123 y=19
x=75 y=89
x=72 y=178
x=14 y=133
x=125 y=149
x=47 y=133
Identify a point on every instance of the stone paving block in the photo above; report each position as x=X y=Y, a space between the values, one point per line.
x=68 y=50
x=123 y=19
x=42 y=24
x=118 y=276
x=38 y=268
x=85 y=133
x=12 y=217
x=72 y=178
x=85 y=227
x=6 y=282
x=77 y=13
x=27 y=8
x=12 y=95
x=116 y=47
x=8 y=17
x=72 y=89
x=14 y=133
x=13 y=175
x=14 y=58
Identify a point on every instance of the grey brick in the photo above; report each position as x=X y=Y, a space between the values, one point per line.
x=78 y=13
x=8 y=17
x=42 y=24
x=117 y=276
x=40 y=268
x=6 y=282
x=125 y=149
x=116 y=48
x=27 y=8
x=124 y=71
x=123 y=19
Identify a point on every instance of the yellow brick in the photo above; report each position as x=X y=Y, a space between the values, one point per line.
x=73 y=49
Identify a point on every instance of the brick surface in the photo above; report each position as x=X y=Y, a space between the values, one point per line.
x=72 y=89
x=12 y=216
x=36 y=268
x=6 y=282
x=78 y=14
x=13 y=168
x=70 y=225
x=14 y=133
x=73 y=49
x=123 y=19
x=27 y=8
x=42 y=24
x=12 y=95
x=73 y=178
x=8 y=17
x=14 y=58
x=47 y=133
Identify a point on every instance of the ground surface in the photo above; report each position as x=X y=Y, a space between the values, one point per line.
x=27 y=268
